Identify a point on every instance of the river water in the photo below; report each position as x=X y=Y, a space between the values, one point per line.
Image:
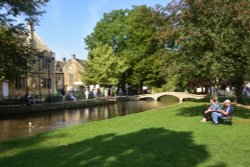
x=18 y=126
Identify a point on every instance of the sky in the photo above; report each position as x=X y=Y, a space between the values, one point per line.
x=67 y=22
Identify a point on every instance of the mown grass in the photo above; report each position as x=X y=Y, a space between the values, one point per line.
x=165 y=137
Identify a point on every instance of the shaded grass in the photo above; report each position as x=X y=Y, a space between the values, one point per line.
x=245 y=100
x=171 y=137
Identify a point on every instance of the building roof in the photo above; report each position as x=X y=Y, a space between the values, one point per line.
x=59 y=64
x=40 y=45
x=73 y=57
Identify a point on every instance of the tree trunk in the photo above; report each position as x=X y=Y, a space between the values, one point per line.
x=206 y=90
x=239 y=88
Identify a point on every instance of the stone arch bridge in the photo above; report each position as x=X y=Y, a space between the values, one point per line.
x=180 y=95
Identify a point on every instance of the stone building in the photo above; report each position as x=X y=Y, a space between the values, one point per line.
x=40 y=81
x=73 y=70
x=59 y=78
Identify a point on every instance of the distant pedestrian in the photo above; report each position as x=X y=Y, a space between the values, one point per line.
x=228 y=90
x=94 y=92
x=120 y=92
x=29 y=99
x=245 y=92
x=106 y=93
x=72 y=97
x=63 y=94
x=99 y=93
x=86 y=94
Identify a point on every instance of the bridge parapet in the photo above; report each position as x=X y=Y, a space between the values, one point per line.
x=180 y=95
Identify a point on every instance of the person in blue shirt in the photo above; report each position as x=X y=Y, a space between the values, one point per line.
x=212 y=108
x=223 y=114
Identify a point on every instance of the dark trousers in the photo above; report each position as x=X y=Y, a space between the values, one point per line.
x=207 y=115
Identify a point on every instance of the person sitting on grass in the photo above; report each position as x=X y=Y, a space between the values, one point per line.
x=212 y=108
x=223 y=114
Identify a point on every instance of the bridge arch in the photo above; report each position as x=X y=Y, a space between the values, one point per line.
x=180 y=95
x=160 y=96
x=148 y=98
x=157 y=97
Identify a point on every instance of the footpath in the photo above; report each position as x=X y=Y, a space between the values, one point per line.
x=43 y=107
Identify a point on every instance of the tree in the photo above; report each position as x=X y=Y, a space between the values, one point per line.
x=16 y=50
x=111 y=27
x=16 y=53
x=104 y=67
x=30 y=10
x=212 y=38
x=131 y=35
x=141 y=46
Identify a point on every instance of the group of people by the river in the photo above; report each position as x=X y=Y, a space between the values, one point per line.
x=94 y=93
x=218 y=111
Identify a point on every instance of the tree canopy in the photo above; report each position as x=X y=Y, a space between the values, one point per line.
x=104 y=68
x=213 y=40
x=17 y=52
x=185 y=44
x=131 y=35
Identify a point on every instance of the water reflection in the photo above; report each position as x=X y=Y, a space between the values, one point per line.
x=17 y=126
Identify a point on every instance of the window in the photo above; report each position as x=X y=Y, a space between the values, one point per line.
x=58 y=68
x=20 y=83
x=44 y=83
x=71 y=78
x=45 y=64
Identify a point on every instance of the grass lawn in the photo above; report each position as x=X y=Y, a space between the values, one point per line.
x=168 y=137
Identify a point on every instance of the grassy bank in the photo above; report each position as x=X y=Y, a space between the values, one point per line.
x=171 y=137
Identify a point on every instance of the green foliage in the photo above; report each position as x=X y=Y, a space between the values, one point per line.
x=131 y=35
x=212 y=38
x=198 y=42
x=142 y=46
x=140 y=32
x=170 y=85
x=17 y=52
x=29 y=9
x=107 y=29
x=104 y=67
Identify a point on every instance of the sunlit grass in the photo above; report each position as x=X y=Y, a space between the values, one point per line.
x=171 y=137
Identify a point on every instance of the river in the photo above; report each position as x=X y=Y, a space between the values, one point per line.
x=18 y=126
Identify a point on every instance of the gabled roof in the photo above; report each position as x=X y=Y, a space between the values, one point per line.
x=80 y=61
x=59 y=64
x=40 y=45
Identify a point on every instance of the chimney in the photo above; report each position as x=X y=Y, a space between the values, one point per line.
x=73 y=56
x=31 y=31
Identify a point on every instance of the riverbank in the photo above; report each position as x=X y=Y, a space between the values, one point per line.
x=164 y=137
x=6 y=110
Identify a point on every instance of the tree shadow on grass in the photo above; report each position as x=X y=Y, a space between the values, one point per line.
x=193 y=111
x=146 y=148
x=241 y=112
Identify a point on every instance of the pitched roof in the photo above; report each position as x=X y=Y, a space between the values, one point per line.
x=59 y=64
x=40 y=45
